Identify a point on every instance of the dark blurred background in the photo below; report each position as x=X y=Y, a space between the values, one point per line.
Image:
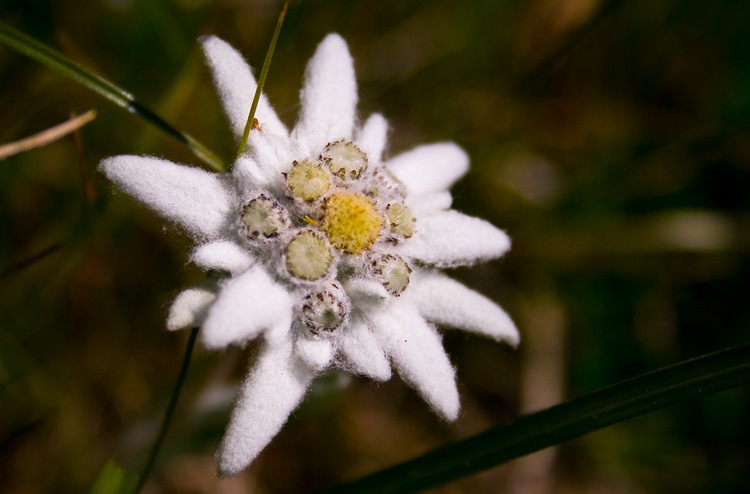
x=610 y=138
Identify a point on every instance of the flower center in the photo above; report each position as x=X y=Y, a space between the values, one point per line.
x=263 y=217
x=308 y=180
x=393 y=273
x=401 y=219
x=308 y=256
x=326 y=309
x=345 y=159
x=351 y=221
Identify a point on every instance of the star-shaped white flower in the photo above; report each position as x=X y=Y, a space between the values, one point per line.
x=324 y=249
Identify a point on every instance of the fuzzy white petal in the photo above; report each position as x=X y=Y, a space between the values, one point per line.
x=453 y=239
x=328 y=97
x=316 y=353
x=443 y=300
x=236 y=85
x=361 y=352
x=428 y=204
x=251 y=175
x=274 y=155
x=189 y=308
x=246 y=305
x=417 y=353
x=272 y=390
x=366 y=289
x=198 y=200
x=223 y=255
x=372 y=138
x=430 y=168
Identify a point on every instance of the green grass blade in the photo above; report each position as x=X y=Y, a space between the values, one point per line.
x=29 y=261
x=262 y=80
x=637 y=396
x=156 y=447
x=51 y=58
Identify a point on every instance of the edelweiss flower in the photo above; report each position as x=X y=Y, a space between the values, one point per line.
x=325 y=249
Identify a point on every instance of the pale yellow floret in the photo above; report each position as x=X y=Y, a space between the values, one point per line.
x=325 y=310
x=308 y=180
x=345 y=159
x=401 y=219
x=351 y=221
x=262 y=216
x=393 y=273
x=308 y=256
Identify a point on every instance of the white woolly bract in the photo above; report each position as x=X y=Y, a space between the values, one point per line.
x=222 y=255
x=328 y=97
x=450 y=238
x=430 y=168
x=416 y=351
x=189 y=308
x=447 y=302
x=372 y=137
x=247 y=305
x=274 y=388
x=236 y=86
x=197 y=200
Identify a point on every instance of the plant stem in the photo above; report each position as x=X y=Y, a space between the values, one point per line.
x=637 y=396
x=168 y=414
x=52 y=58
x=262 y=80
x=47 y=136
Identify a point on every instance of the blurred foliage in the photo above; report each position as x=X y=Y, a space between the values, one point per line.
x=114 y=480
x=611 y=139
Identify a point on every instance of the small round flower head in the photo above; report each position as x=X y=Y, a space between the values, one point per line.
x=345 y=159
x=322 y=248
x=325 y=309
x=393 y=272
x=401 y=219
x=308 y=180
x=308 y=256
x=263 y=217
x=351 y=221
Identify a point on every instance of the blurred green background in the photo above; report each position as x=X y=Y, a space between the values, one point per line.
x=610 y=138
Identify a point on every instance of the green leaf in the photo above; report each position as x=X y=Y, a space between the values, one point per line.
x=637 y=396
x=112 y=479
x=67 y=67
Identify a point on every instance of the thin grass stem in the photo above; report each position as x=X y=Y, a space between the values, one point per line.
x=55 y=60
x=148 y=467
x=251 y=122
x=47 y=136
